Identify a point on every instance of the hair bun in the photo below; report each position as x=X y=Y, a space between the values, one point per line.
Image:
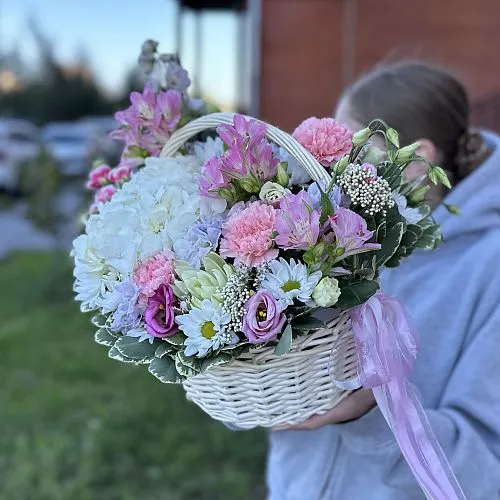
x=472 y=150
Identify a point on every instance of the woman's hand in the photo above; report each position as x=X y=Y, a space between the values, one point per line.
x=354 y=406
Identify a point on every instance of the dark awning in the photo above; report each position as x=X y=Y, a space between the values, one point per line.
x=214 y=4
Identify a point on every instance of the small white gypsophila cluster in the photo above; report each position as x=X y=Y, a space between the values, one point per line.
x=237 y=291
x=234 y=295
x=366 y=189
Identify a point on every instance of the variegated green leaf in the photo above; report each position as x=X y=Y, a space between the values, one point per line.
x=164 y=370
x=104 y=337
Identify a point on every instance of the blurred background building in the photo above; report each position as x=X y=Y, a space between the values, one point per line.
x=309 y=50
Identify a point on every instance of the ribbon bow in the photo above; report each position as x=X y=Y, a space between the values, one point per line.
x=386 y=348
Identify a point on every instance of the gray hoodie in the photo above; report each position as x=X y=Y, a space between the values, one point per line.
x=453 y=295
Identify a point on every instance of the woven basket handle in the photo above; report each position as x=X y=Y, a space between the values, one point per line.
x=286 y=141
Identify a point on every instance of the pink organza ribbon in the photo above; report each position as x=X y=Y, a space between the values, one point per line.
x=386 y=347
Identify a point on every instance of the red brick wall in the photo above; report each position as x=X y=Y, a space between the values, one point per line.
x=300 y=62
x=302 y=47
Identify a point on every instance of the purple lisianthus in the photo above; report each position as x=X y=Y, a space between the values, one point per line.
x=200 y=240
x=127 y=315
x=351 y=233
x=159 y=315
x=297 y=222
x=264 y=319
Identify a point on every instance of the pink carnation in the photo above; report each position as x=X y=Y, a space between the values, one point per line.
x=326 y=139
x=157 y=271
x=104 y=194
x=248 y=234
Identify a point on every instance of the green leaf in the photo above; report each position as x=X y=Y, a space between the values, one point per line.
x=357 y=293
x=164 y=348
x=140 y=352
x=308 y=322
x=394 y=261
x=187 y=366
x=426 y=242
x=327 y=209
x=114 y=353
x=104 y=337
x=164 y=370
x=177 y=339
x=99 y=320
x=393 y=137
x=285 y=342
x=381 y=232
x=222 y=358
x=390 y=244
x=453 y=209
x=410 y=237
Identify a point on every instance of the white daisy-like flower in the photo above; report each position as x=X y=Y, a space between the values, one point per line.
x=412 y=215
x=205 y=329
x=140 y=334
x=290 y=280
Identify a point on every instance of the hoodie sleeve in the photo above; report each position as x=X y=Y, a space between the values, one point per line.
x=467 y=422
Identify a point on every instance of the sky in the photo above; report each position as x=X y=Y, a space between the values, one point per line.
x=111 y=33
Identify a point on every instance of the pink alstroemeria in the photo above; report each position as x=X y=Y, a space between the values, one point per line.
x=234 y=164
x=262 y=162
x=143 y=105
x=243 y=132
x=351 y=233
x=168 y=110
x=211 y=179
x=297 y=222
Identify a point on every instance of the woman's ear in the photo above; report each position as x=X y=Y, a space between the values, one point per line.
x=416 y=169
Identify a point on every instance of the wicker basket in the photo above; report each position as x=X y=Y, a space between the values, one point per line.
x=259 y=388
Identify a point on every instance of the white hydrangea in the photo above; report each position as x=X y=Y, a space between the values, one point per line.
x=208 y=149
x=154 y=209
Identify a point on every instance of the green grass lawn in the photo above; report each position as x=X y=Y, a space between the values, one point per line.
x=76 y=425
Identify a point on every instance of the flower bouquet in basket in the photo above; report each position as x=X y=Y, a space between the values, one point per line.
x=246 y=266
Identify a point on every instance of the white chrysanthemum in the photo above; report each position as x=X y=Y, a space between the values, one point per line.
x=207 y=150
x=290 y=280
x=204 y=329
x=151 y=211
x=412 y=215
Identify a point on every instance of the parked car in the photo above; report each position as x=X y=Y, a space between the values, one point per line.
x=19 y=141
x=106 y=148
x=71 y=144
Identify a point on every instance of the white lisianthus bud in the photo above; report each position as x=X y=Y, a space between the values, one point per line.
x=341 y=165
x=360 y=138
x=272 y=192
x=326 y=293
x=407 y=153
x=282 y=176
